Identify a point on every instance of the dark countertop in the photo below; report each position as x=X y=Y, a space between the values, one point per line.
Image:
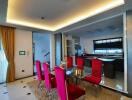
x=103 y=57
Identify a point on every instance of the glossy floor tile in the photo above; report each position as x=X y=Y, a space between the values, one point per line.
x=17 y=90
x=26 y=89
x=117 y=83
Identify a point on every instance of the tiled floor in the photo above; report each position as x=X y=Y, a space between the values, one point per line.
x=117 y=83
x=19 y=90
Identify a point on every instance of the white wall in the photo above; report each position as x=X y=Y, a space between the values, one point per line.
x=23 y=41
x=87 y=40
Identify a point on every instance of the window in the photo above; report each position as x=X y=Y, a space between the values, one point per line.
x=108 y=46
x=0 y=44
x=3 y=64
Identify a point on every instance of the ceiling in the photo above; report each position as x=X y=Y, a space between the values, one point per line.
x=113 y=25
x=57 y=13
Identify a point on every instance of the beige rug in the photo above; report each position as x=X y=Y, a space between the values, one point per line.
x=92 y=92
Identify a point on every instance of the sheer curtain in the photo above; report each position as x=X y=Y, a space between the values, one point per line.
x=3 y=64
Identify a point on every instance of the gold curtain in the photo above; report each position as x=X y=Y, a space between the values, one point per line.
x=7 y=36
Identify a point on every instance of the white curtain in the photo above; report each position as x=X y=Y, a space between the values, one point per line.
x=3 y=64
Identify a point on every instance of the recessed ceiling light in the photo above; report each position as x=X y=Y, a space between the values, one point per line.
x=42 y=18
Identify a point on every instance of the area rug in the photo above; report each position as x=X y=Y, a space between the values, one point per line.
x=92 y=92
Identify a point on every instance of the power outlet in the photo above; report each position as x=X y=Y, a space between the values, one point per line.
x=23 y=70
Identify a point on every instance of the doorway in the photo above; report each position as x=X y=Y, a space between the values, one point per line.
x=41 y=48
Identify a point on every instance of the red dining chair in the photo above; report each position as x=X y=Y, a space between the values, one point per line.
x=40 y=75
x=95 y=77
x=66 y=91
x=80 y=63
x=69 y=62
x=50 y=82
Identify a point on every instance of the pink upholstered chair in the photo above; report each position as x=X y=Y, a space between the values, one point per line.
x=69 y=62
x=80 y=63
x=95 y=77
x=40 y=75
x=50 y=82
x=66 y=92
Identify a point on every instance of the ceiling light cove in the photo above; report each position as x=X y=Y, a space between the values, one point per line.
x=26 y=13
x=32 y=25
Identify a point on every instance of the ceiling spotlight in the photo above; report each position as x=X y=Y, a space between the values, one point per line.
x=42 y=18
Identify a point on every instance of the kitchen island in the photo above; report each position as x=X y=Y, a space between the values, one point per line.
x=111 y=63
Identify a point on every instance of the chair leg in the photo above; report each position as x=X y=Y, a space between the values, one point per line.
x=39 y=82
x=82 y=97
x=39 y=85
x=98 y=88
x=46 y=93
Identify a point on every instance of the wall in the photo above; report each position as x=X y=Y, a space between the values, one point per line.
x=87 y=40
x=129 y=48
x=23 y=41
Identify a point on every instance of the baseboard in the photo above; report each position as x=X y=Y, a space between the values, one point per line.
x=25 y=77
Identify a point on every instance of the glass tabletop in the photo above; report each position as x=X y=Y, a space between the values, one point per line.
x=75 y=72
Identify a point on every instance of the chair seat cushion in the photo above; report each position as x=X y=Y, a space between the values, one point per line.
x=52 y=75
x=43 y=77
x=92 y=79
x=53 y=82
x=74 y=92
x=40 y=78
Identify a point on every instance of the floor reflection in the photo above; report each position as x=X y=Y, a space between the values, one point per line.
x=117 y=83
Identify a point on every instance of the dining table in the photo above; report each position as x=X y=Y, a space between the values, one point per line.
x=73 y=73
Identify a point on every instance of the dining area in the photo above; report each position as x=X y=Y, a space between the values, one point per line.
x=69 y=82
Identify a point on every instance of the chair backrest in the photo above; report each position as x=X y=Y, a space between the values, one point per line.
x=80 y=63
x=69 y=62
x=61 y=84
x=96 y=68
x=39 y=71
x=47 y=76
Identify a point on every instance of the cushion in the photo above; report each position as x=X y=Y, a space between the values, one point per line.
x=74 y=92
x=92 y=79
x=53 y=82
